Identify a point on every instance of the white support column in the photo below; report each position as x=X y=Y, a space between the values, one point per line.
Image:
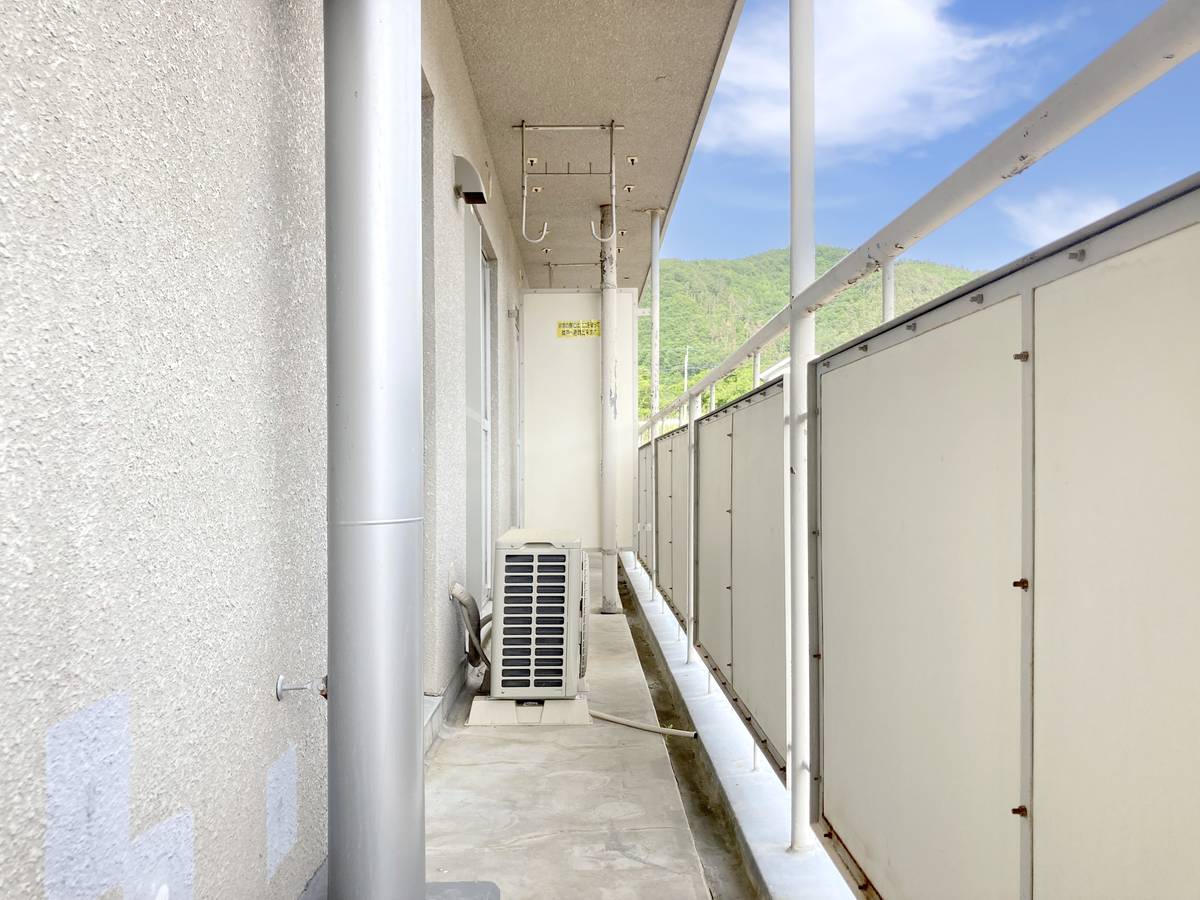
x=375 y=463
x=802 y=350
x=609 y=445
x=889 y=289
x=757 y=368
x=655 y=249
x=655 y=385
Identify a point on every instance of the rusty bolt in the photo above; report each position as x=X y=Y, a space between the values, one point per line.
x=1020 y=811
x=1022 y=583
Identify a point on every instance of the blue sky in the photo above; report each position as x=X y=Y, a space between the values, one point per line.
x=907 y=90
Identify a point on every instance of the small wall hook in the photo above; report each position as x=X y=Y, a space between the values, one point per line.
x=281 y=687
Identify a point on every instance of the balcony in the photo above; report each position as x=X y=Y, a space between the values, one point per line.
x=306 y=308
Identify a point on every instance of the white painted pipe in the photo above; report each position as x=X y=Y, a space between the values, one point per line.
x=757 y=368
x=609 y=447
x=643 y=726
x=1167 y=37
x=802 y=349
x=375 y=463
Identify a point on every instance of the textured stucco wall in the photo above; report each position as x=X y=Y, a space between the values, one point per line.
x=458 y=129
x=162 y=447
x=162 y=437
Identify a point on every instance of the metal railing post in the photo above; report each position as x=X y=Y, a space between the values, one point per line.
x=802 y=349
x=655 y=350
x=693 y=414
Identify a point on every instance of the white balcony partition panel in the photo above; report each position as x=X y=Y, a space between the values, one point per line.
x=714 y=540
x=759 y=571
x=1117 y=623
x=561 y=396
x=920 y=627
x=1007 y=614
x=664 y=517
x=643 y=504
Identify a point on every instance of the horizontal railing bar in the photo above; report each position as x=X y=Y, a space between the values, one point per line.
x=1167 y=37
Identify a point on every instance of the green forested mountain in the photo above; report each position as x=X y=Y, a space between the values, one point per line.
x=710 y=306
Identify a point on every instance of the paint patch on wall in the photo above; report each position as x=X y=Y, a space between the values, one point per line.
x=282 y=819
x=88 y=850
x=159 y=863
x=87 y=800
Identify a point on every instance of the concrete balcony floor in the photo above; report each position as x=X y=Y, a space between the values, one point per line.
x=564 y=811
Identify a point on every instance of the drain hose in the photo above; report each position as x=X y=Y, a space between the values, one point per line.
x=643 y=726
x=468 y=611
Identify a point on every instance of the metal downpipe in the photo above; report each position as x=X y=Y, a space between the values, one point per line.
x=373 y=310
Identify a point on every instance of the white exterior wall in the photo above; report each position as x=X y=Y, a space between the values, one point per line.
x=162 y=409
x=458 y=129
x=163 y=438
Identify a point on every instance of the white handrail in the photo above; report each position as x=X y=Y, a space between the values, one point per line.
x=1163 y=40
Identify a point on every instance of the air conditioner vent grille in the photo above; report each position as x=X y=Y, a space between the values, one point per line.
x=535 y=594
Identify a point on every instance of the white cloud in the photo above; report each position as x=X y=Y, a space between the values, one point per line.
x=890 y=74
x=1055 y=213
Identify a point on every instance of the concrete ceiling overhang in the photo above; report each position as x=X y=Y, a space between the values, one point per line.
x=649 y=65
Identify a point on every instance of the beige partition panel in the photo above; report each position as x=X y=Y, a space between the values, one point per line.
x=758 y=493
x=662 y=463
x=1117 y=624
x=714 y=600
x=680 y=508
x=561 y=391
x=920 y=496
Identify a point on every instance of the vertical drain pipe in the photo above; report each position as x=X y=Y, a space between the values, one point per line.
x=373 y=344
x=608 y=415
x=802 y=349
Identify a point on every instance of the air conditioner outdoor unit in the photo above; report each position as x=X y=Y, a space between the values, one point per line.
x=539 y=616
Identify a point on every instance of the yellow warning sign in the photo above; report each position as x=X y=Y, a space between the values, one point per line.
x=584 y=328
